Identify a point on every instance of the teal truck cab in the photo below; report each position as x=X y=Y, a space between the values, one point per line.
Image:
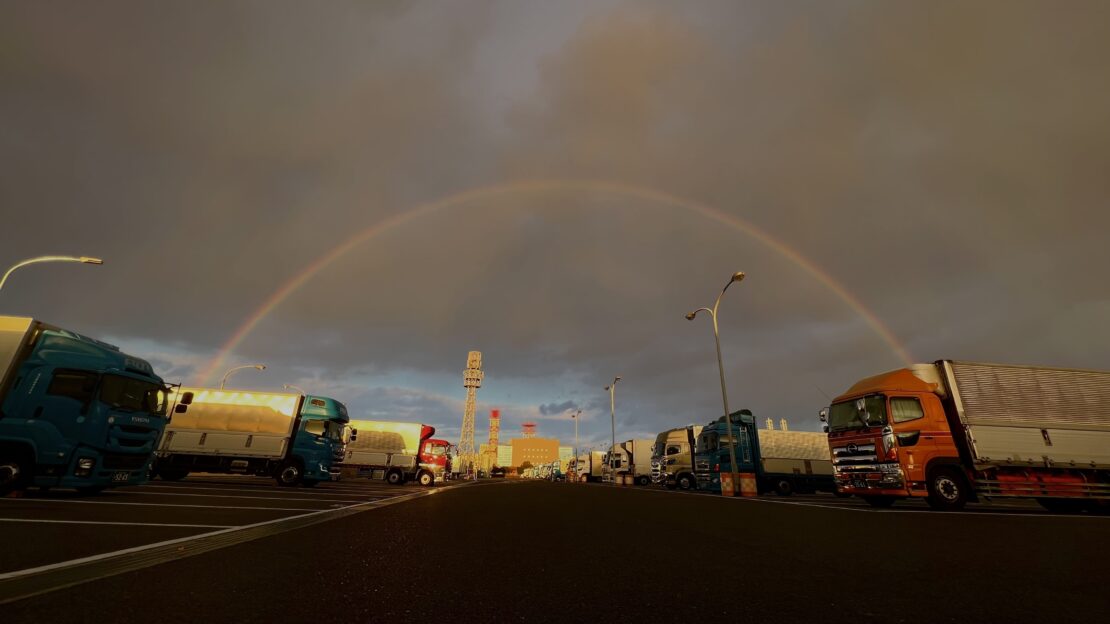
x=296 y=439
x=74 y=412
x=783 y=462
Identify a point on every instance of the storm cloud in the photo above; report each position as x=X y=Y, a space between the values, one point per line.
x=943 y=164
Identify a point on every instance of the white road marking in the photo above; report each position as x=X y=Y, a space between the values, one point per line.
x=145 y=524
x=181 y=540
x=306 y=493
x=846 y=505
x=284 y=498
x=100 y=502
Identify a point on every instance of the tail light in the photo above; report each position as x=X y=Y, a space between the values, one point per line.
x=716 y=467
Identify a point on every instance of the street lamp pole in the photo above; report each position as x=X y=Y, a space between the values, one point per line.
x=292 y=387
x=23 y=263
x=736 y=277
x=576 y=466
x=223 y=381
x=611 y=388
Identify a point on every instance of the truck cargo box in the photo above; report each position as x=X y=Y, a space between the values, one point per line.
x=231 y=422
x=794 y=452
x=1025 y=415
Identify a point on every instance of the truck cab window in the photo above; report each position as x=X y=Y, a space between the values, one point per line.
x=315 y=427
x=673 y=450
x=905 y=409
x=73 y=384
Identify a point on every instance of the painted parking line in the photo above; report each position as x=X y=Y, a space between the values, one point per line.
x=307 y=493
x=282 y=498
x=142 y=524
x=100 y=502
x=47 y=578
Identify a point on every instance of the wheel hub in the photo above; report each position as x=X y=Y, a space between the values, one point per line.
x=947 y=488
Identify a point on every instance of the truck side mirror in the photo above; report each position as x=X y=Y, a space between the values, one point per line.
x=823 y=415
x=354 y=434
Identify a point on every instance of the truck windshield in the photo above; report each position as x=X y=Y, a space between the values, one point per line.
x=869 y=411
x=336 y=431
x=133 y=395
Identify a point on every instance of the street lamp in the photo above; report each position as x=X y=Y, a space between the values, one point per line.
x=611 y=388
x=81 y=259
x=292 y=387
x=736 y=277
x=576 y=466
x=223 y=381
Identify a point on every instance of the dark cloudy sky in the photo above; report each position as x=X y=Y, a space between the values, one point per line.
x=948 y=163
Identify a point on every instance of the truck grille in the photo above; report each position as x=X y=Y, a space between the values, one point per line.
x=853 y=455
x=120 y=461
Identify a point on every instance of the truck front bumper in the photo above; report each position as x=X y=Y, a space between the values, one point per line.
x=91 y=468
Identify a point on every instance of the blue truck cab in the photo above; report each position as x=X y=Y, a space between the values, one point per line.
x=322 y=437
x=74 y=412
x=781 y=461
x=711 y=456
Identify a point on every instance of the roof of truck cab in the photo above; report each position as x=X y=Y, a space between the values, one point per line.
x=901 y=380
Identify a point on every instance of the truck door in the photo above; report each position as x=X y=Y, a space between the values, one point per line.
x=915 y=437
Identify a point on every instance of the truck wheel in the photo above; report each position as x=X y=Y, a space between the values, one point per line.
x=395 y=477
x=15 y=472
x=642 y=481
x=948 y=490
x=426 y=479
x=879 y=502
x=685 y=482
x=783 y=487
x=289 y=474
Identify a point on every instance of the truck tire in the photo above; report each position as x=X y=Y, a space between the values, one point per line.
x=948 y=489
x=290 y=474
x=426 y=479
x=642 y=480
x=394 y=477
x=685 y=482
x=879 y=502
x=784 y=487
x=15 y=471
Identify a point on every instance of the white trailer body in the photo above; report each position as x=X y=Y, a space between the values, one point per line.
x=794 y=452
x=385 y=450
x=230 y=423
x=1026 y=415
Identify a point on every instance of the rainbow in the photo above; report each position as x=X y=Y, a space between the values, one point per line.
x=538 y=187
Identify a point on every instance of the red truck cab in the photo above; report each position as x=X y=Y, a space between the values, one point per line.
x=435 y=461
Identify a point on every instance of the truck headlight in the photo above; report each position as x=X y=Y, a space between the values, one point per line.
x=86 y=463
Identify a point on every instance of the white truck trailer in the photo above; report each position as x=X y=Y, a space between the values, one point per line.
x=395 y=451
x=631 y=457
x=288 y=436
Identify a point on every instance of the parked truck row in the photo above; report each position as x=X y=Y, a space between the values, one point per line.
x=694 y=456
x=953 y=432
x=76 y=412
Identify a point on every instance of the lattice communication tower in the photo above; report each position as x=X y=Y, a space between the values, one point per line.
x=528 y=429
x=472 y=380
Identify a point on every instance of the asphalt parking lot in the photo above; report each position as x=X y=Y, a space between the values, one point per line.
x=44 y=528
x=1004 y=506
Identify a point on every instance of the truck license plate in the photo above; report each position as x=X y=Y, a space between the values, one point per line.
x=121 y=476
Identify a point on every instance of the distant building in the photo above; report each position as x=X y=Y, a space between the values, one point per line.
x=504 y=455
x=534 y=450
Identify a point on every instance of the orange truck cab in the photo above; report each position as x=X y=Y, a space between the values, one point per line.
x=953 y=432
